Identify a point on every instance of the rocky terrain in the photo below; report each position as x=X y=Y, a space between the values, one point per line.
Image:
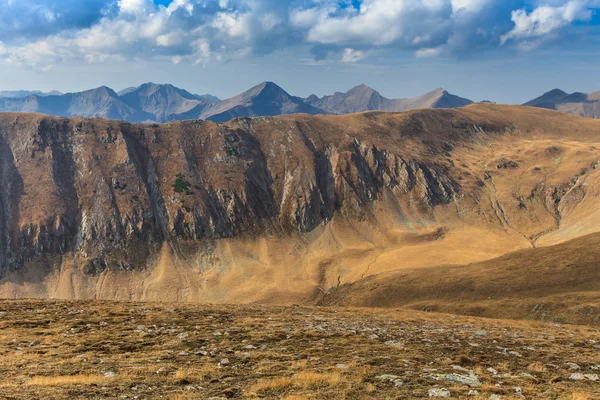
x=67 y=350
x=284 y=209
x=152 y=102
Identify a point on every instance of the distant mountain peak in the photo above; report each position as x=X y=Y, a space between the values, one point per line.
x=437 y=92
x=555 y=92
x=102 y=90
x=270 y=86
x=363 y=89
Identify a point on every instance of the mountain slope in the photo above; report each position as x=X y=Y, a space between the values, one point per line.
x=438 y=98
x=363 y=98
x=282 y=209
x=529 y=284
x=580 y=104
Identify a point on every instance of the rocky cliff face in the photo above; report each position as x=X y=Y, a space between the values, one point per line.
x=98 y=190
x=107 y=196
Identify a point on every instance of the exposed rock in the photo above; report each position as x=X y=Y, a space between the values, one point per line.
x=577 y=376
x=224 y=362
x=435 y=392
x=470 y=380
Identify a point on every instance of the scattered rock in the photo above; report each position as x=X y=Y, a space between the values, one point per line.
x=470 y=380
x=224 y=362
x=577 y=376
x=387 y=377
x=439 y=393
x=573 y=366
x=592 y=377
x=394 y=343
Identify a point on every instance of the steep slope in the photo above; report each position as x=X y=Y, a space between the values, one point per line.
x=160 y=100
x=363 y=98
x=580 y=104
x=266 y=99
x=281 y=209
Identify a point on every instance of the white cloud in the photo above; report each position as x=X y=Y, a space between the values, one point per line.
x=428 y=53
x=232 y=24
x=532 y=28
x=169 y=39
x=469 y=6
x=352 y=56
x=135 y=6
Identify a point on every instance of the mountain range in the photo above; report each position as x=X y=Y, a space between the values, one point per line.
x=581 y=104
x=152 y=102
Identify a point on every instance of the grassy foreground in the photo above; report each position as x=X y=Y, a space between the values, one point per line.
x=102 y=350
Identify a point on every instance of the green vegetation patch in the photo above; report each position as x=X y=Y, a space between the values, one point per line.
x=181 y=185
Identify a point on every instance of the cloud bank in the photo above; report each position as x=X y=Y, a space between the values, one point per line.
x=42 y=33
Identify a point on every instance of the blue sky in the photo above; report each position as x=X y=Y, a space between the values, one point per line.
x=501 y=50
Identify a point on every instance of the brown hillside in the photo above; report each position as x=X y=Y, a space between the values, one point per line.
x=282 y=209
x=558 y=283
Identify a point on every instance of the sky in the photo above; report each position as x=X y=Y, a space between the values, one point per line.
x=507 y=51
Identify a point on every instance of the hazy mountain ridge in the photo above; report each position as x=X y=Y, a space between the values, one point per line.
x=363 y=98
x=26 y=93
x=581 y=104
x=152 y=102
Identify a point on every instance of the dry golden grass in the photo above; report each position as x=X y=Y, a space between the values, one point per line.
x=303 y=379
x=582 y=396
x=528 y=284
x=67 y=380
